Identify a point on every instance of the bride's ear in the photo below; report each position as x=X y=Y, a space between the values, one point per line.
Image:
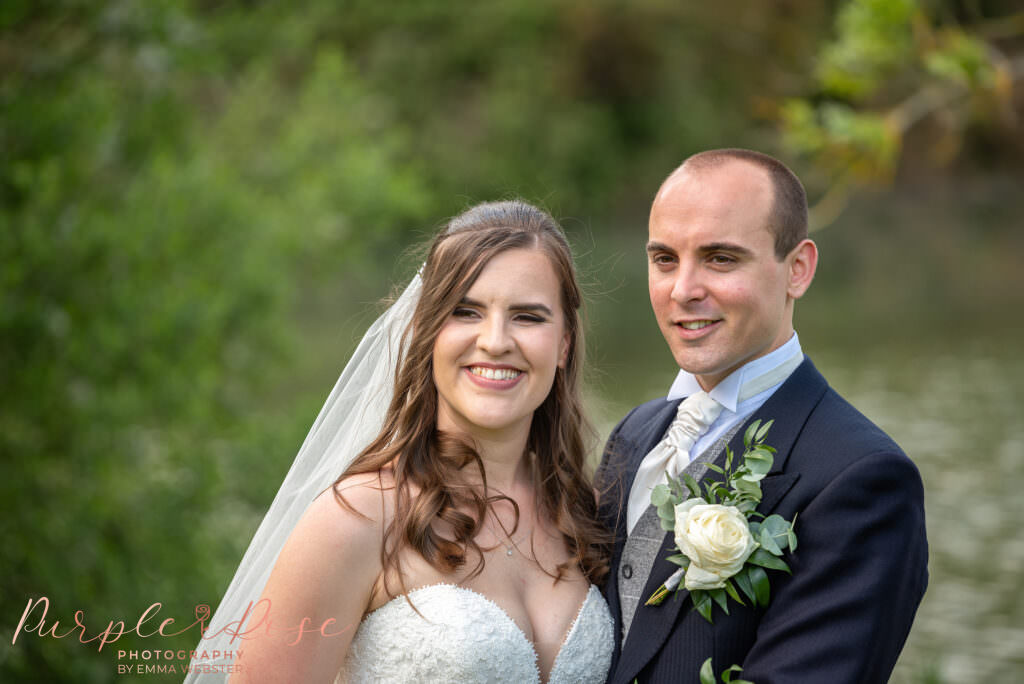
x=563 y=354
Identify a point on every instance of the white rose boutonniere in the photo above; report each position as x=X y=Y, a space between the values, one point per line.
x=724 y=545
x=715 y=538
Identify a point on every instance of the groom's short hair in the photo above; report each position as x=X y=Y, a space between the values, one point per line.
x=787 y=220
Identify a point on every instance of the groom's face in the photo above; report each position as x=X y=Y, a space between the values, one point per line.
x=721 y=296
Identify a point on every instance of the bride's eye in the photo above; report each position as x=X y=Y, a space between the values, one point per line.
x=463 y=312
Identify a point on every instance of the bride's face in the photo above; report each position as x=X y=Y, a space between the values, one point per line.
x=496 y=356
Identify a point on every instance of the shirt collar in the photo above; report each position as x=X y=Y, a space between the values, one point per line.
x=727 y=391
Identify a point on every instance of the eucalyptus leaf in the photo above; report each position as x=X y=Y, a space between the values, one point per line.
x=742 y=579
x=715 y=491
x=779 y=529
x=717 y=469
x=768 y=542
x=727 y=675
x=753 y=489
x=759 y=581
x=751 y=477
x=660 y=495
x=745 y=505
x=707 y=675
x=721 y=599
x=730 y=589
x=748 y=436
x=760 y=463
x=702 y=604
x=692 y=485
x=677 y=489
x=763 y=431
x=776 y=524
x=764 y=559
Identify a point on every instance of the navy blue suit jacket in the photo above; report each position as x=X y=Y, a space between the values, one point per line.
x=859 y=571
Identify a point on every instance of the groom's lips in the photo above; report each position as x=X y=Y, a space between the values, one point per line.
x=696 y=328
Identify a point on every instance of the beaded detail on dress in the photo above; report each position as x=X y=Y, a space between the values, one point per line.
x=462 y=636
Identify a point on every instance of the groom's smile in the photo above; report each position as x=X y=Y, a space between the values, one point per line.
x=694 y=329
x=721 y=294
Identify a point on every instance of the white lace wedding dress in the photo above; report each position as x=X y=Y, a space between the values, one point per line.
x=462 y=636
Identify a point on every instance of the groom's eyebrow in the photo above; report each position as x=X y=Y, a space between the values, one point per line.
x=731 y=247
x=654 y=246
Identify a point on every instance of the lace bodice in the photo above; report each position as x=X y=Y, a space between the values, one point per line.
x=462 y=636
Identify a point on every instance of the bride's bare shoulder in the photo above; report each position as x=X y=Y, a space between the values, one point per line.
x=354 y=509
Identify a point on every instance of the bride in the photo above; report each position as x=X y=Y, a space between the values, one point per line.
x=460 y=543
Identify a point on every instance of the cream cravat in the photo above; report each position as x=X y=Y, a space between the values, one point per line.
x=694 y=416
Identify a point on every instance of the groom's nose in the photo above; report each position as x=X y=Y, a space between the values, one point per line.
x=688 y=285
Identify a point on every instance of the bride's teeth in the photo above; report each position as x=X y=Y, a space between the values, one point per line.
x=494 y=373
x=695 y=325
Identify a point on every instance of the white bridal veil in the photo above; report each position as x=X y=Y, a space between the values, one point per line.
x=348 y=421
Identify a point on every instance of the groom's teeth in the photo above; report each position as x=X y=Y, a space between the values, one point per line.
x=495 y=373
x=695 y=325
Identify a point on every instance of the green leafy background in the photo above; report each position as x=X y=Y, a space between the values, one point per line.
x=203 y=203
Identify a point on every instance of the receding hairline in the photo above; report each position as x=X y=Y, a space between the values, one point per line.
x=787 y=214
x=705 y=162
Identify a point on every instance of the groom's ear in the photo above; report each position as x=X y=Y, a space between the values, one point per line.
x=802 y=261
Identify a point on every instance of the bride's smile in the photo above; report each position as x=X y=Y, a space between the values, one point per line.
x=495 y=357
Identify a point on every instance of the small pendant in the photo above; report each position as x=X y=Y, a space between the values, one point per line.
x=508 y=552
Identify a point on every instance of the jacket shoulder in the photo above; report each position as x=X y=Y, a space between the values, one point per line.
x=643 y=418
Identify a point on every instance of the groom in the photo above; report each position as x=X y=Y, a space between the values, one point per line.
x=728 y=256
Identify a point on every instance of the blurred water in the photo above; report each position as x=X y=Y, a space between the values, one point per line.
x=960 y=416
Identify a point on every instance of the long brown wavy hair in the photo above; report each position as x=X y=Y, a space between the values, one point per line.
x=422 y=457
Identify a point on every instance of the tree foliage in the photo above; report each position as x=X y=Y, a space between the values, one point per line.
x=177 y=175
x=891 y=65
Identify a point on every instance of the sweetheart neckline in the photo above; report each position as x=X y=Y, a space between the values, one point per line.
x=533 y=648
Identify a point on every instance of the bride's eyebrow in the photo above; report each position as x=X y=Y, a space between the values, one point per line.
x=529 y=307
x=532 y=308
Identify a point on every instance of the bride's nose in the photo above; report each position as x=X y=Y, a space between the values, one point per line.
x=494 y=336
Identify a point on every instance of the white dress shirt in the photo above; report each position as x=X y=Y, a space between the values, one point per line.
x=727 y=392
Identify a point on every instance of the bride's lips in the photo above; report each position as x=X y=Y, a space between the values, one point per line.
x=696 y=328
x=494 y=376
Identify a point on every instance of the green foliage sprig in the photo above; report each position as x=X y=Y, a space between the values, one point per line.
x=707 y=674
x=740 y=489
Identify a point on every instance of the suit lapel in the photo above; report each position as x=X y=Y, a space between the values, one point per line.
x=625 y=459
x=789 y=407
